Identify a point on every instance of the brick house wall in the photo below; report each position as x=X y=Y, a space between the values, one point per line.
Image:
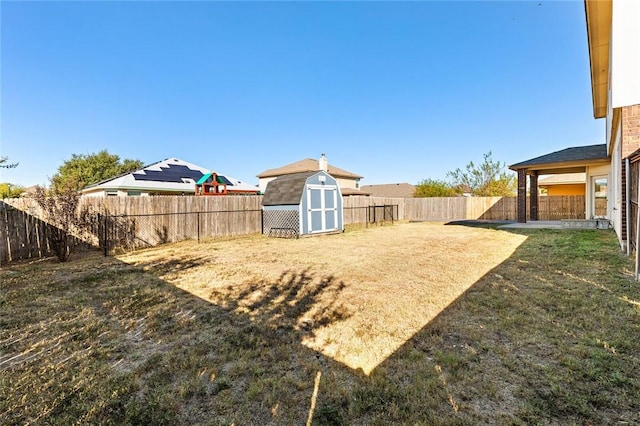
x=630 y=129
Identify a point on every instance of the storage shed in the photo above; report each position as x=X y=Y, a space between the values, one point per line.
x=306 y=203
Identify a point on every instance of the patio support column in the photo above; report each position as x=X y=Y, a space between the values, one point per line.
x=522 y=196
x=533 y=196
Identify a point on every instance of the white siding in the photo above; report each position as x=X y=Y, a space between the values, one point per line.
x=625 y=53
x=97 y=193
x=262 y=183
x=614 y=204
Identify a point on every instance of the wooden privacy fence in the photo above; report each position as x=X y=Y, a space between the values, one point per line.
x=561 y=207
x=490 y=208
x=149 y=221
x=134 y=231
x=25 y=236
x=131 y=222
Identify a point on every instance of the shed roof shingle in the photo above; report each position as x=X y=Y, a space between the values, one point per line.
x=286 y=190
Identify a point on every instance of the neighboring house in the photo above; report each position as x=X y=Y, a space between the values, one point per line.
x=613 y=33
x=168 y=177
x=563 y=184
x=349 y=182
x=390 y=190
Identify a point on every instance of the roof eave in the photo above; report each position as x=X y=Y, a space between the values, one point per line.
x=133 y=188
x=571 y=182
x=598 y=17
x=562 y=166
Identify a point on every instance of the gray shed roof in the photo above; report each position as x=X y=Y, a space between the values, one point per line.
x=286 y=190
x=576 y=154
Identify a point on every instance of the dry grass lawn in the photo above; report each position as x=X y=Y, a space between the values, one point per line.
x=405 y=324
x=372 y=289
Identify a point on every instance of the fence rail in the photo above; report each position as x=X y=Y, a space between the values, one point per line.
x=147 y=230
x=371 y=214
x=23 y=236
x=144 y=221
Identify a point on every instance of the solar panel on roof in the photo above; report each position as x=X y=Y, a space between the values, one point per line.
x=172 y=173
x=222 y=179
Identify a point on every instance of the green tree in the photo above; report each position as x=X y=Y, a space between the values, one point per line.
x=486 y=179
x=8 y=190
x=434 y=188
x=3 y=165
x=82 y=170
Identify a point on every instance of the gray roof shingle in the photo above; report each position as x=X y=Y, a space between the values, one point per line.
x=286 y=190
x=307 y=165
x=569 y=155
x=390 y=190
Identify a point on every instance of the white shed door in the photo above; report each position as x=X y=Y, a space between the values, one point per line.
x=322 y=202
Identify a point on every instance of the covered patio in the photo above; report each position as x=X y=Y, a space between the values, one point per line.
x=591 y=159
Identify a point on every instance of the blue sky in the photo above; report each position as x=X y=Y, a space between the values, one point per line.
x=393 y=91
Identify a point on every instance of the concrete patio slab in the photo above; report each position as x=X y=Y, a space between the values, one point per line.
x=534 y=224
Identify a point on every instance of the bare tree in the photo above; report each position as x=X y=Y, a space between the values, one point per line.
x=488 y=179
x=3 y=165
x=60 y=210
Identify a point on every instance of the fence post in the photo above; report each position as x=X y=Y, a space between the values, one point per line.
x=198 y=218
x=106 y=241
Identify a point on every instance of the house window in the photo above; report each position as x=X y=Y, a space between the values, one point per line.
x=357 y=183
x=112 y=193
x=134 y=193
x=600 y=196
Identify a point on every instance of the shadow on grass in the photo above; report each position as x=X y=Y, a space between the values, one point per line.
x=295 y=302
x=100 y=341
x=545 y=337
x=548 y=336
x=175 y=264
